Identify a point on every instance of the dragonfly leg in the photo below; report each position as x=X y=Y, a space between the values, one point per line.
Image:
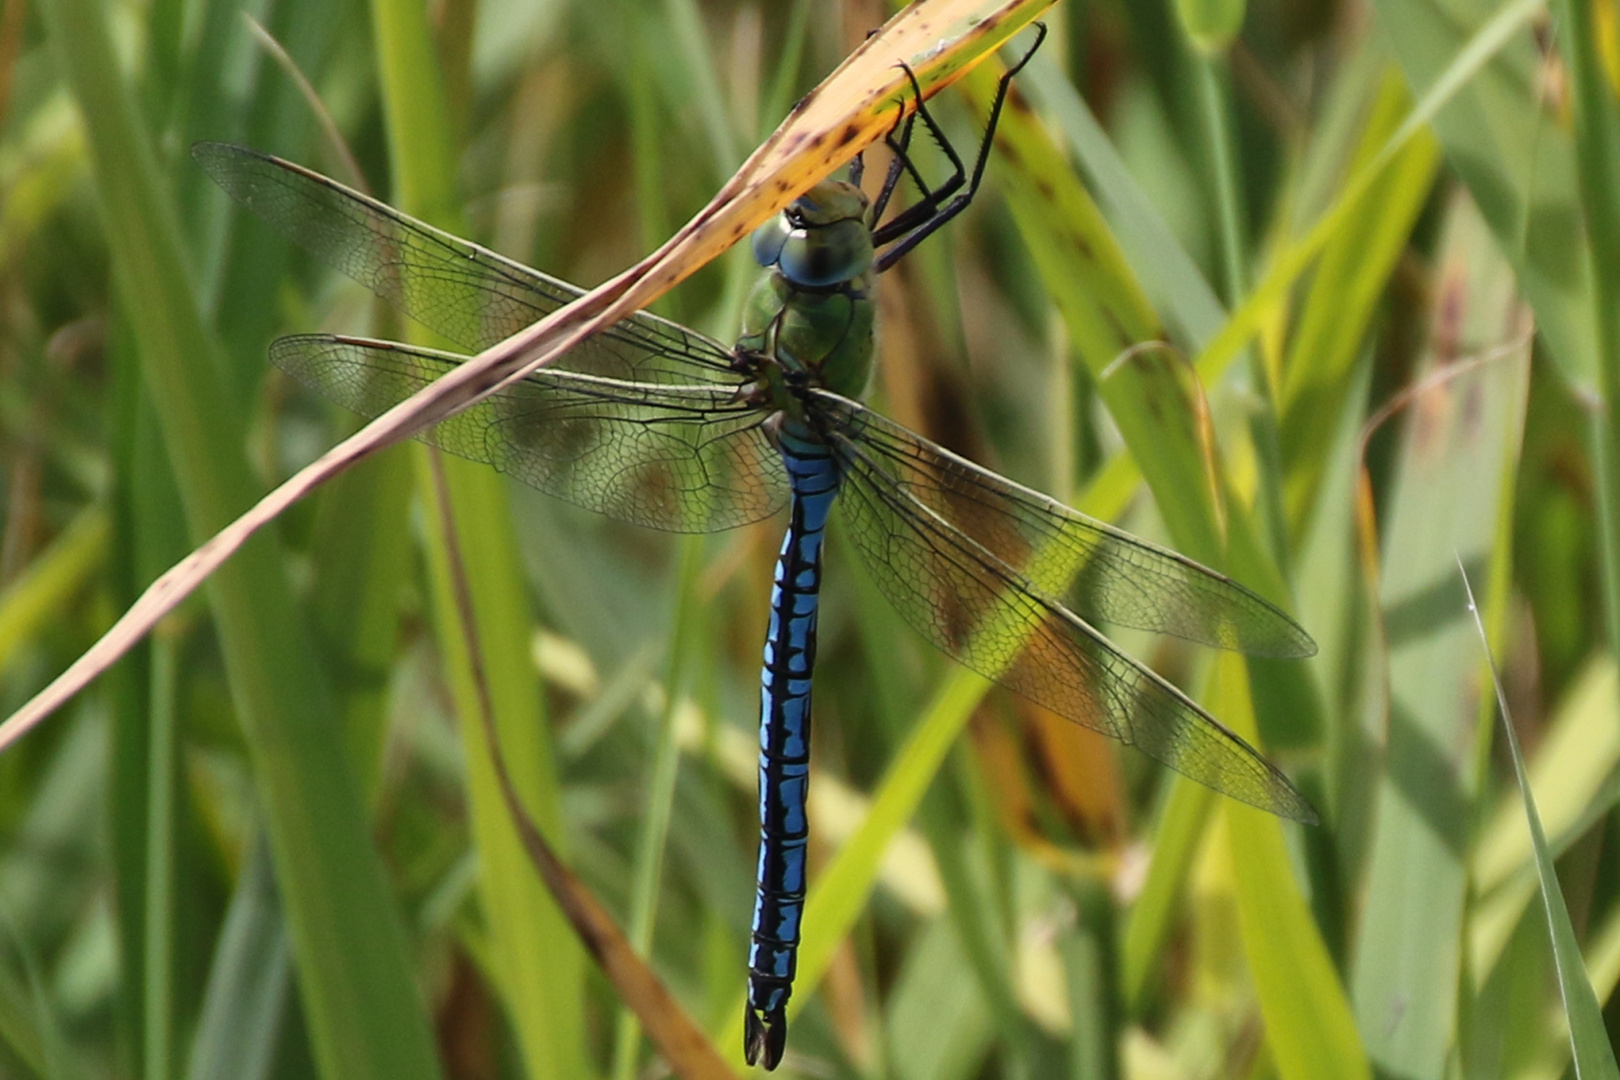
x=900 y=164
x=899 y=160
x=915 y=232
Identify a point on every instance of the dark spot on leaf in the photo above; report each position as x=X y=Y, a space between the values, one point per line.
x=1120 y=333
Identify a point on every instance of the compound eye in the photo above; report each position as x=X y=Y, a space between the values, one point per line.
x=828 y=255
x=768 y=240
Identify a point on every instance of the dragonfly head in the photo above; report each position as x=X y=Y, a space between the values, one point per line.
x=821 y=240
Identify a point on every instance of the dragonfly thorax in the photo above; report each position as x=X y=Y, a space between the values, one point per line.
x=811 y=315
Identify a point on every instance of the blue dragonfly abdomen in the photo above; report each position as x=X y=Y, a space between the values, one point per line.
x=784 y=746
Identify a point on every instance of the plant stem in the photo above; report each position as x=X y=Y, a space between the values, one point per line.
x=1597 y=163
x=1215 y=112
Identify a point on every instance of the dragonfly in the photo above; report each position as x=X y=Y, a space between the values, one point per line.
x=655 y=424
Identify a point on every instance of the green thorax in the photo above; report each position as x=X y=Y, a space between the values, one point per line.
x=810 y=316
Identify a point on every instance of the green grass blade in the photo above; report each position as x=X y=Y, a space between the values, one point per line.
x=1572 y=778
x=48 y=583
x=1175 y=845
x=1593 y=1057
x=1218 y=122
x=158 y=935
x=248 y=995
x=691 y=41
x=1597 y=164
x=936 y=1014
x=1452 y=490
x=538 y=961
x=1178 y=289
x=1344 y=293
x=361 y=558
x=652 y=841
x=1310 y=1029
x=366 y=1018
x=1106 y=314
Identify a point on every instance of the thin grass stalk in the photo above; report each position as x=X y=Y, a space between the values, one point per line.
x=248 y=996
x=653 y=838
x=158 y=940
x=975 y=916
x=1176 y=839
x=692 y=49
x=1090 y=968
x=1215 y=107
x=1597 y=160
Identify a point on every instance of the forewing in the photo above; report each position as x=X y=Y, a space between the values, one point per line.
x=678 y=458
x=985 y=612
x=1104 y=574
x=467 y=293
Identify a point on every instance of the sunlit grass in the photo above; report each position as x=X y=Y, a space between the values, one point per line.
x=1407 y=382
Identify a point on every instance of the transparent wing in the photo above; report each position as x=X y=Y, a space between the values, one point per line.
x=467 y=293
x=678 y=458
x=1102 y=573
x=926 y=522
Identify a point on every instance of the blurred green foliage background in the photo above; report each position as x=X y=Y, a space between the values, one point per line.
x=269 y=843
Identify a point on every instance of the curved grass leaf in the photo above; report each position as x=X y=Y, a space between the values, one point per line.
x=1572 y=777
x=1591 y=1054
